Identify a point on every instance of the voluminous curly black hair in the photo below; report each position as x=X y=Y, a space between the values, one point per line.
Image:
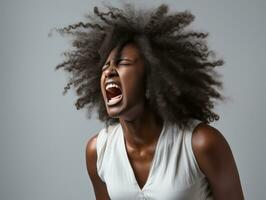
x=181 y=79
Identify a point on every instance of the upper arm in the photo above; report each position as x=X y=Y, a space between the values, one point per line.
x=216 y=161
x=99 y=186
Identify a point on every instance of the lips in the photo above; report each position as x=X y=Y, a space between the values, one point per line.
x=113 y=92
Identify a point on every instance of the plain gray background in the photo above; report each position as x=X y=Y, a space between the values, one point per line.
x=43 y=136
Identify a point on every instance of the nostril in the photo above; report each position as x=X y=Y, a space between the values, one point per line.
x=110 y=72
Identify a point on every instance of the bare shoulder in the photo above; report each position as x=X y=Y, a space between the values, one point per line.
x=99 y=186
x=210 y=147
x=91 y=155
x=216 y=161
x=91 y=146
x=206 y=138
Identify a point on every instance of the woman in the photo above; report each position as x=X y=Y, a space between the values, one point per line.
x=154 y=85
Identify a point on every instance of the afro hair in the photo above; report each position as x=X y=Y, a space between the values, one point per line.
x=177 y=59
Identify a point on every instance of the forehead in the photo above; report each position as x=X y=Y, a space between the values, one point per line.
x=130 y=50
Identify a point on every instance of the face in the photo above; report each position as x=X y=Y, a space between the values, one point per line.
x=122 y=83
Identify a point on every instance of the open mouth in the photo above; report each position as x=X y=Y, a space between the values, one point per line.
x=113 y=93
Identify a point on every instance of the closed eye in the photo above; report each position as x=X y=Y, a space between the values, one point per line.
x=105 y=66
x=124 y=62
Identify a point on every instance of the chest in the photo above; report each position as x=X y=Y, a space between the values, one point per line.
x=141 y=162
x=163 y=172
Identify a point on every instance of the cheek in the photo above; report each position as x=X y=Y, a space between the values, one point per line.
x=102 y=84
x=134 y=84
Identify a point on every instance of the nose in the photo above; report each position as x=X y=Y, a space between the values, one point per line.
x=110 y=71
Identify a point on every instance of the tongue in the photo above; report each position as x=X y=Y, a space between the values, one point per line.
x=113 y=92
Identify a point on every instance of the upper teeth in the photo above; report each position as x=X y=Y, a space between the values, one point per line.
x=109 y=85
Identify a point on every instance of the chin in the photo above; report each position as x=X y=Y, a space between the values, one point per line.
x=113 y=111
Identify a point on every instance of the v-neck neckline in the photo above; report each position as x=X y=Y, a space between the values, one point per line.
x=153 y=162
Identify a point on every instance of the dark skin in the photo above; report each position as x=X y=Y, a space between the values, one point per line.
x=141 y=128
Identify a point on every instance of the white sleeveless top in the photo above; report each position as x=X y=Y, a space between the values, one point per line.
x=174 y=172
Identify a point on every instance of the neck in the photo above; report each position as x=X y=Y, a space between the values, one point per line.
x=142 y=131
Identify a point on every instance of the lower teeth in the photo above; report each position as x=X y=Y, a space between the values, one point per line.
x=117 y=97
x=115 y=100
